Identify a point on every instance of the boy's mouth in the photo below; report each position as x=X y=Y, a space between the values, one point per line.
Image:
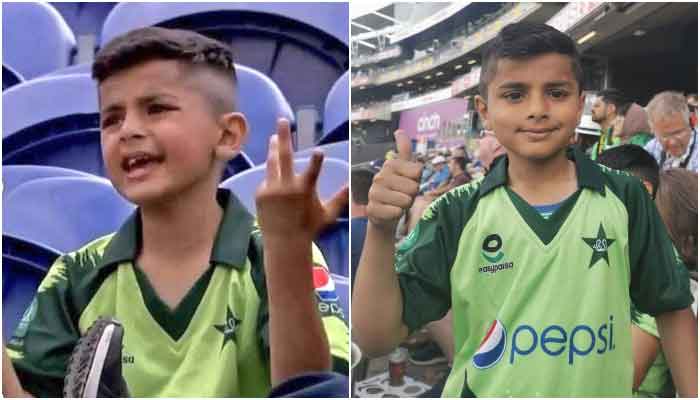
x=537 y=133
x=137 y=164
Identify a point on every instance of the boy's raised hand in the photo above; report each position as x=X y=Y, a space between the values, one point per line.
x=288 y=204
x=394 y=187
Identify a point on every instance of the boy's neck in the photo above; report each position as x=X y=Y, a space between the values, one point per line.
x=542 y=182
x=181 y=228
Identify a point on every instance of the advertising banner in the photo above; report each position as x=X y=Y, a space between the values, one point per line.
x=430 y=120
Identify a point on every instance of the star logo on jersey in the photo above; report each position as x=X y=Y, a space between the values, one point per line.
x=228 y=328
x=600 y=245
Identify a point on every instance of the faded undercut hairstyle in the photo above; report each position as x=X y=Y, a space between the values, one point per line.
x=524 y=40
x=192 y=49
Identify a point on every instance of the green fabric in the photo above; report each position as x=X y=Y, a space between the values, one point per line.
x=214 y=344
x=605 y=141
x=640 y=138
x=474 y=252
x=658 y=381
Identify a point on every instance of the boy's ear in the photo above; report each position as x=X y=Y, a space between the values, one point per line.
x=581 y=106
x=483 y=110
x=234 y=132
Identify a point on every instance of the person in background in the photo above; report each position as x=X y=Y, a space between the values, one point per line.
x=458 y=176
x=675 y=143
x=693 y=107
x=361 y=180
x=634 y=160
x=632 y=126
x=604 y=112
x=489 y=149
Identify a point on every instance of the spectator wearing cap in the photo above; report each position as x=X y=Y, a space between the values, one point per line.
x=441 y=175
x=632 y=126
x=675 y=140
x=604 y=112
x=458 y=176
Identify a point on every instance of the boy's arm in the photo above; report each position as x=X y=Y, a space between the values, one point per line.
x=377 y=299
x=10 y=382
x=679 y=340
x=291 y=216
x=645 y=348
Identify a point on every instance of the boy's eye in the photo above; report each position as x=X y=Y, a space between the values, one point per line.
x=158 y=108
x=109 y=121
x=513 y=96
x=558 y=93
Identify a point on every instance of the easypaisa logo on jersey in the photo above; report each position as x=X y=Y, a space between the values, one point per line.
x=491 y=252
x=553 y=340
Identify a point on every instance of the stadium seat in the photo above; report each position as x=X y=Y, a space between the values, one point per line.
x=10 y=77
x=337 y=150
x=41 y=128
x=342 y=289
x=335 y=114
x=84 y=68
x=303 y=47
x=334 y=174
x=64 y=213
x=35 y=38
x=15 y=175
x=24 y=265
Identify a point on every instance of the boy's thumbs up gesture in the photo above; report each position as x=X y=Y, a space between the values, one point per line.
x=394 y=187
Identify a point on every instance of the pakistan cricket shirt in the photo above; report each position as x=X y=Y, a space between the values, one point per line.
x=214 y=344
x=541 y=307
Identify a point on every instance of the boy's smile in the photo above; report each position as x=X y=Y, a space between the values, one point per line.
x=158 y=131
x=533 y=105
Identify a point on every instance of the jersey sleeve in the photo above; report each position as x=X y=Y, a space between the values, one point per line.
x=328 y=303
x=659 y=279
x=423 y=260
x=45 y=337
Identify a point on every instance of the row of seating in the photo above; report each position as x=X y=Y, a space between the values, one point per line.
x=41 y=128
x=308 y=41
x=49 y=211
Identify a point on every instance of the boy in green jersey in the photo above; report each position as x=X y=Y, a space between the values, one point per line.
x=212 y=304
x=541 y=307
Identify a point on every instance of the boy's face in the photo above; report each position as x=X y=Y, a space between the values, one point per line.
x=533 y=105
x=159 y=133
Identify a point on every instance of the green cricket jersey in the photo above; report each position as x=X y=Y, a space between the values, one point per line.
x=214 y=344
x=541 y=307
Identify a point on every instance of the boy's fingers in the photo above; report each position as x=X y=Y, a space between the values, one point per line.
x=403 y=145
x=337 y=204
x=272 y=167
x=285 y=149
x=314 y=170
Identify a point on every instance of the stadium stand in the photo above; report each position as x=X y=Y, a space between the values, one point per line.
x=335 y=114
x=15 y=175
x=10 y=77
x=64 y=213
x=337 y=150
x=35 y=39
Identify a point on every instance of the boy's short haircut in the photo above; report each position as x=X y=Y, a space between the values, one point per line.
x=635 y=160
x=149 y=44
x=616 y=98
x=523 y=40
x=361 y=180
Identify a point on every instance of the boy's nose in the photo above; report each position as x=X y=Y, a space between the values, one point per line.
x=130 y=129
x=538 y=108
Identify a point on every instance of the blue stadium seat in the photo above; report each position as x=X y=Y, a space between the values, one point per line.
x=342 y=289
x=337 y=150
x=303 y=47
x=10 y=77
x=64 y=213
x=41 y=128
x=77 y=69
x=15 y=175
x=334 y=174
x=24 y=265
x=333 y=243
x=35 y=38
x=335 y=114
